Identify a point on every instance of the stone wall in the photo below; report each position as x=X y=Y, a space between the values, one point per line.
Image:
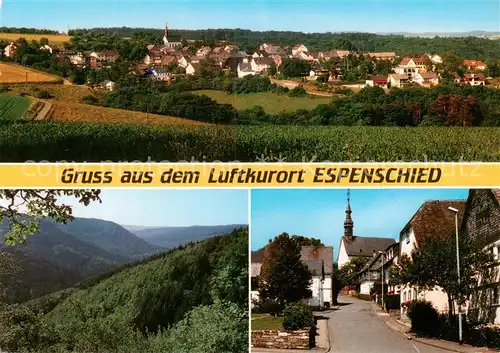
x=300 y=339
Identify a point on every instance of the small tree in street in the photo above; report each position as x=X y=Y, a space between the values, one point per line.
x=284 y=278
x=434 y=263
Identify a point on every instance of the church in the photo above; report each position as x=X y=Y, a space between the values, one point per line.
x=166 y=43
x=352 y=246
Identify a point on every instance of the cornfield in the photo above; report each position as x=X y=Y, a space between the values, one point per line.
x=55 y=141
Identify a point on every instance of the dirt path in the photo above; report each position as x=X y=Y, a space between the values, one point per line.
x=292 y=84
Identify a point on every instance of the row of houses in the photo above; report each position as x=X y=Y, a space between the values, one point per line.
x=478 y=216
x=426 y=79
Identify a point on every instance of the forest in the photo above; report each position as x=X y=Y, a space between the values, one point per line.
x=468 y=47
x=193 y=298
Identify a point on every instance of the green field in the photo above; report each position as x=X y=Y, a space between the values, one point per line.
x=272 y=103
x=55 y=141
x=13 y=107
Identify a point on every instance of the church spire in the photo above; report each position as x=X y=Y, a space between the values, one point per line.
x=166 y=30
x=348 y=223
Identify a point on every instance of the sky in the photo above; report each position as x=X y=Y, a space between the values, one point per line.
x=320 y=213
x=306 y=16
x=166 y=207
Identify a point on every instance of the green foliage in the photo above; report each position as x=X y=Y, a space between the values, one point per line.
x=4 y=89
x=466 y=47
x=298 y=91
x=38 y=204
x=191 y=299
x=267 y=306
x=44 y=94
x=392 y=301
x=347 y=275
x=13 y=107
x=219 y=327
x=424 y=317
x=284 y=278
x=297 y=316
x=54 y=141
x=295 y=68
x=433 y=264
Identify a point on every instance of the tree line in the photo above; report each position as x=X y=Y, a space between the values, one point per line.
x=469 y=47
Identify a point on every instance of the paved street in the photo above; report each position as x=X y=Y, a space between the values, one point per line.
x=355 y=328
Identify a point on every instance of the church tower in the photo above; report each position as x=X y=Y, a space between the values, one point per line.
x=348 y=223
x=165 y=36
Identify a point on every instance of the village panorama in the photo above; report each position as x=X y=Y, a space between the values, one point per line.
x=379 y=270
x=231 y=94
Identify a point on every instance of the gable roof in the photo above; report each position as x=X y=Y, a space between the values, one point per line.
x=494 y=193
x=380 y=79
x=474 y=63
x=433 y=219
x=428 y=75
x=365 y=246
x=264 y=61
x=319 y=253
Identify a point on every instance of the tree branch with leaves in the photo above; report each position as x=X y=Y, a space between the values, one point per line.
x=22 y=210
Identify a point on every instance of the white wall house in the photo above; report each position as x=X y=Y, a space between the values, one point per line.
x=432 y=219
x=245 y=68
x=261 y=64
x=319 y=260
x=482 y=221
x=299 y=48
x=10 y=50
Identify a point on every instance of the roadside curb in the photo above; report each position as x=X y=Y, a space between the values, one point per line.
x=394 y=328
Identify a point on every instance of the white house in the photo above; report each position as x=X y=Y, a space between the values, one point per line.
x=299 y=48
x=109 y=85
x=203 y=51
x=426 y=79
x=77 y=59
x=412 y=66
x=261 y=64
x=245 y=68
x=371 y=273
x=46 y=48
x=182 y=61
x=380 y=81
x=319 y=260
x=432 y=219
x=10 y=50
x=476 y=79
x=161 y=73
x=397 y=80
x=192 y=68
x=482 y=221
x=436 y=59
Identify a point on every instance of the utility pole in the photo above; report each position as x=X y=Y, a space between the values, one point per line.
x=454 y=210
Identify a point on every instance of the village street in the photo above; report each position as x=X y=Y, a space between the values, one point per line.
x=356 y=328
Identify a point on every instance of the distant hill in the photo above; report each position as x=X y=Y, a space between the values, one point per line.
x=110 y=236
x=54 y=259
x=171 y=237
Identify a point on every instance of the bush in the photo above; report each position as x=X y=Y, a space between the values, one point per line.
x=267 y=306
x=43 y=94
x=424 y=318
x=297 y=316
x=4 y=89
x=392 y=302
x=485 y=335
x=298 y=91
x=90 y=100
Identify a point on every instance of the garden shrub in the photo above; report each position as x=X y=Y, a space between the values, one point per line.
x=392 y=302
x=297 y=316
x=424 y=318
x=267 y=306
x=4 y=89
x=43 y=94
x=298 y=91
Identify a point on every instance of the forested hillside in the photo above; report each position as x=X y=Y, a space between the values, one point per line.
x=190 y=299
x=473 y=47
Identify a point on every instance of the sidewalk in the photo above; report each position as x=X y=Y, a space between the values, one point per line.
x=404 y=329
